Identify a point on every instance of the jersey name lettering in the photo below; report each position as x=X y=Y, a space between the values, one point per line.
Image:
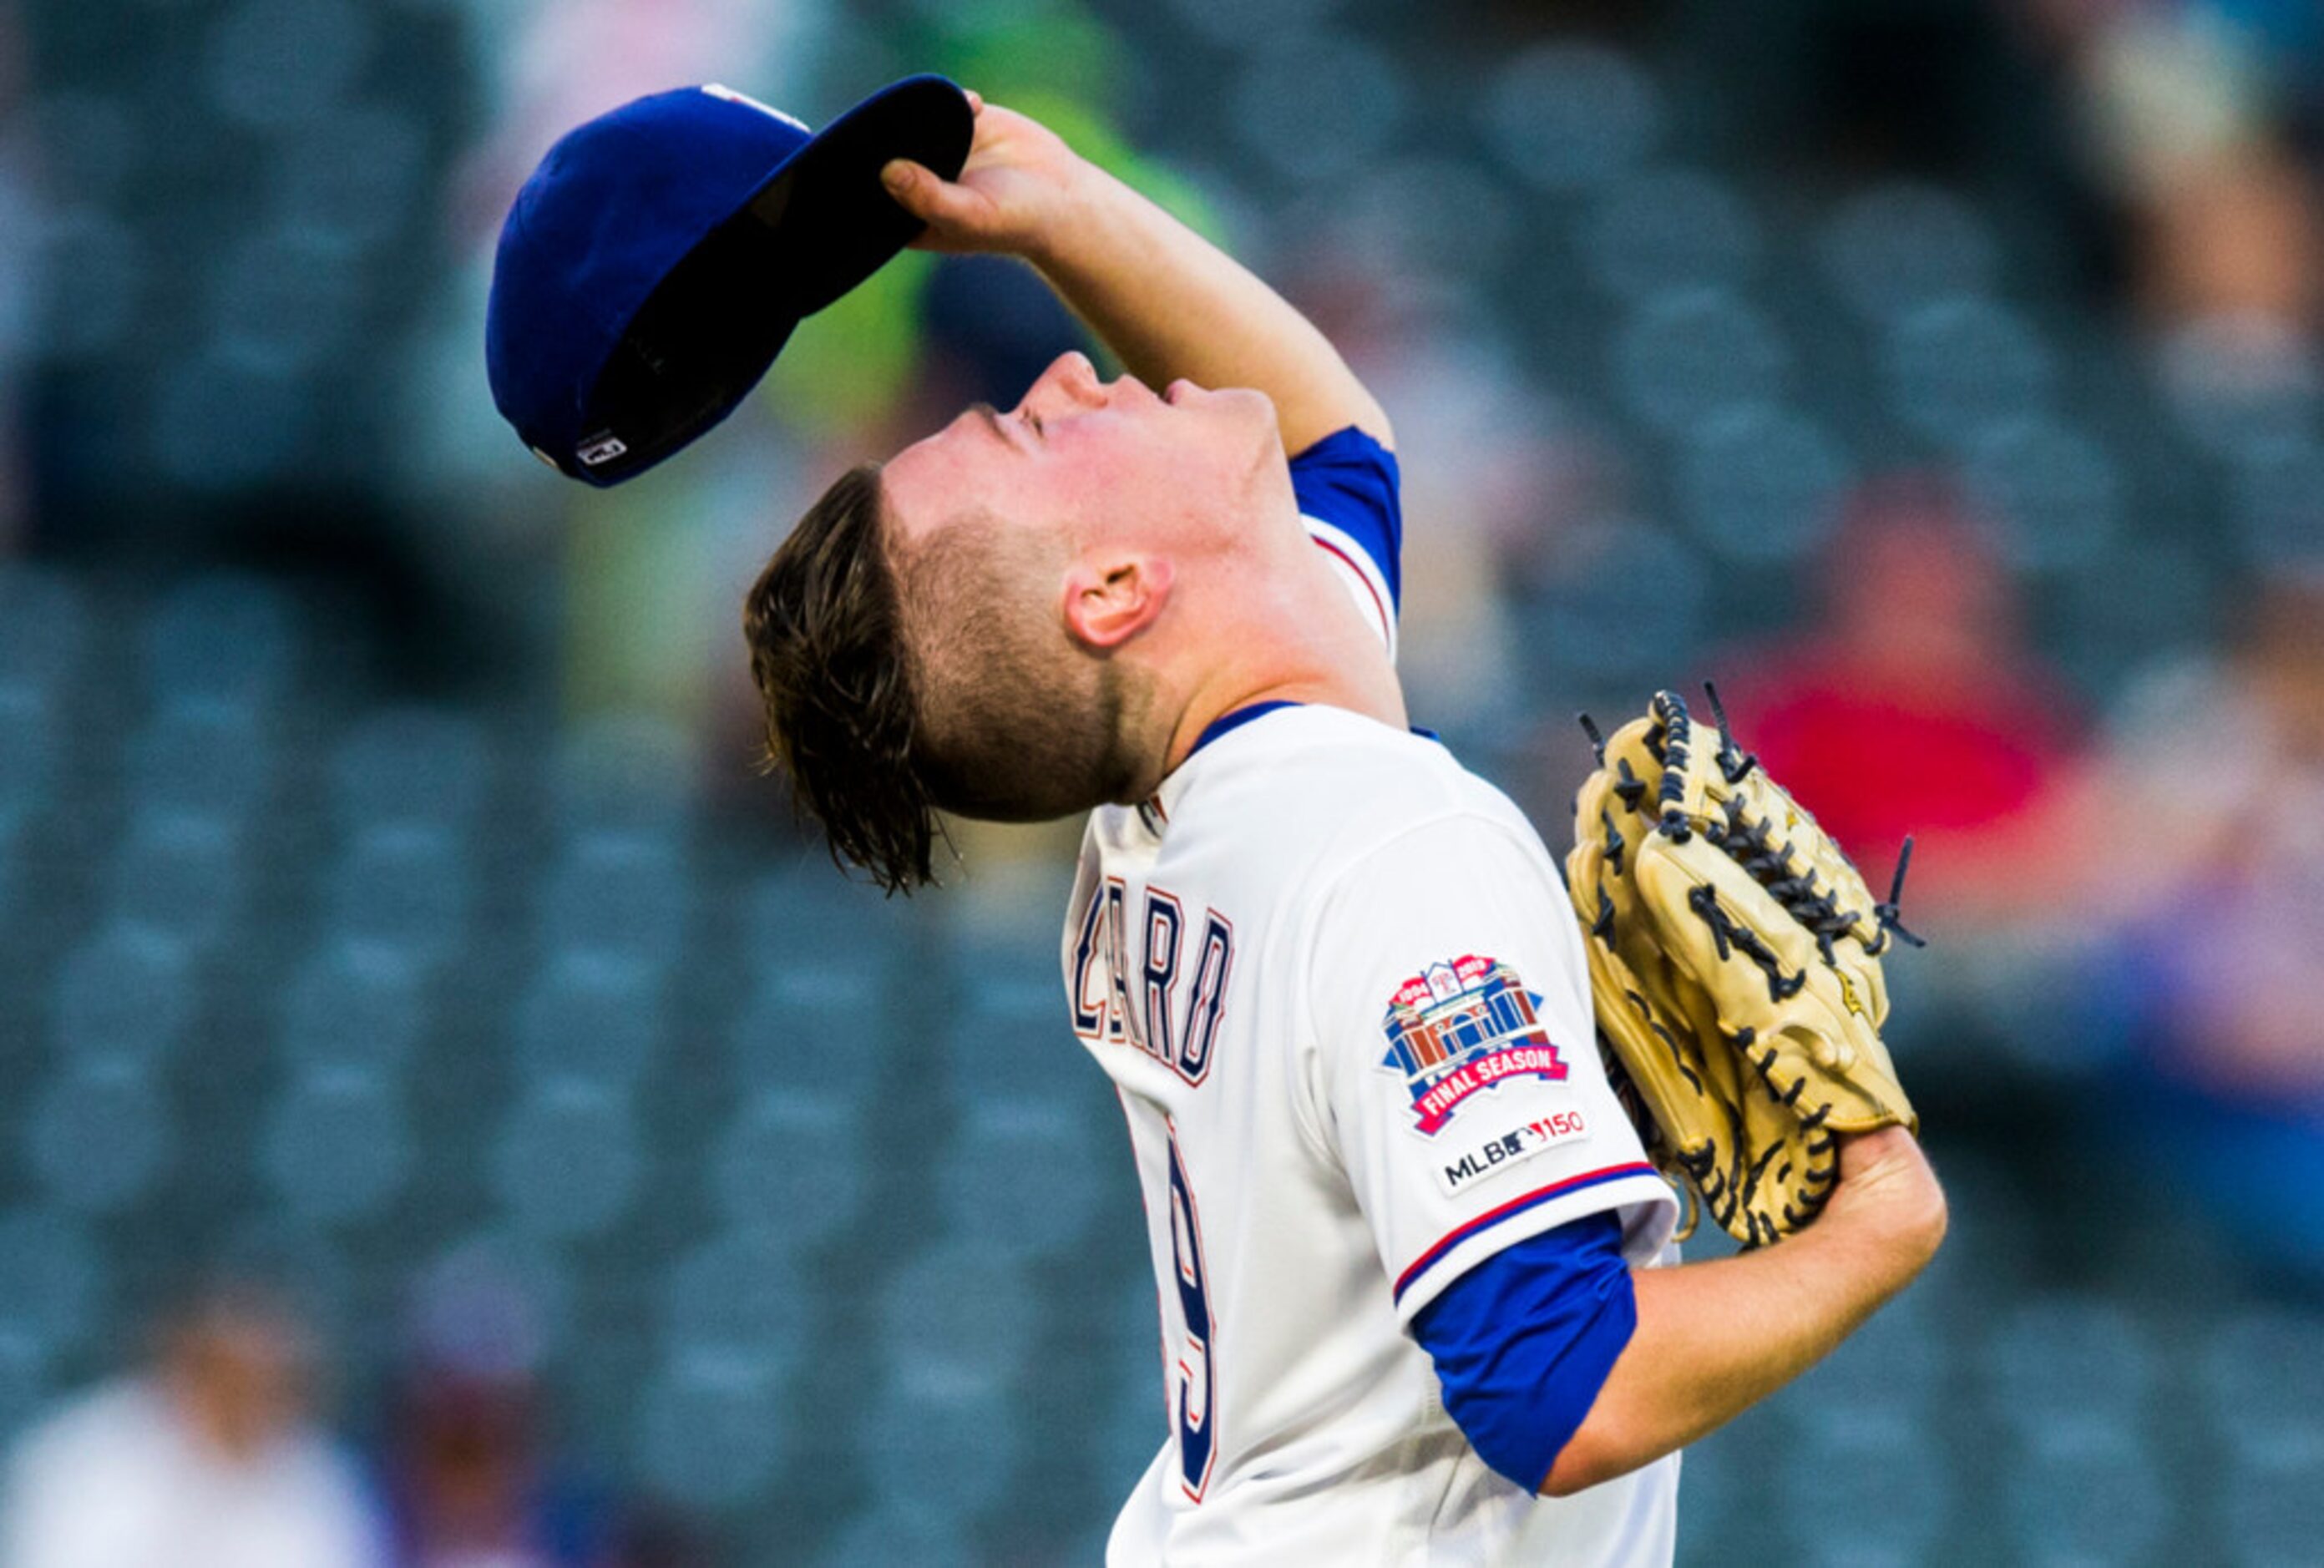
x=1142 y=1001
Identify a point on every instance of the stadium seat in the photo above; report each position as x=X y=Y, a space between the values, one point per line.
x=1010 y=1037
x=179 y=875
x=2261 y=1373
x=247 y=74
x=203 y=755
x=2108 y=1503
x=59 y=1276
x=227 y=638
x=826 y=1022
x=899 y=1529
x=30 y=753
x=2052 y=492
x=1569 y=117
x=712 y=1431
x=621 y=894
x=337 y=1147
x=128 y=992
x=592 y=1015
x=794 y=1161
x=1015 y=1179
x=353 y=1004
x=1956 y=369
x=44 y=629
x=741 y=1296
x=1670 y=230
x=1762 y=483
x=1688 y=354
x=98 y=1136
x=2067 y=1373
x=406 y=888
x=623 y=773
x=2273 y=1512
x=566 y=1161
x=1901 y=244
x=949 y=1446
x=1318 y=105
x=957 y=1314
x=411 y=767
x=1916 y=1487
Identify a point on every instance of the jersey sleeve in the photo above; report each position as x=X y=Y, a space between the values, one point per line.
x=1349 y=488
x=1523 y=1341
x=1455 y=1076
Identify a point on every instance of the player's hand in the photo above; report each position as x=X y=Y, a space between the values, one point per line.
x=1886 y=1187
x=1014 y=192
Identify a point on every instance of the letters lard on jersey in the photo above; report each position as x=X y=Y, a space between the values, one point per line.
x=1133 y=993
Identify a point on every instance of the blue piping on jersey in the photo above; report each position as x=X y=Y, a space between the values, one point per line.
x=1228 y=722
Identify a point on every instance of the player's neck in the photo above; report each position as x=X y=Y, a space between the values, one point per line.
x=1294 y=642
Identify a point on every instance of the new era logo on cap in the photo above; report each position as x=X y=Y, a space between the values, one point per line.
x=601 y=448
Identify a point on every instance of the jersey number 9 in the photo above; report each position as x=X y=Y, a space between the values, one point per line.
x=1193 y=1383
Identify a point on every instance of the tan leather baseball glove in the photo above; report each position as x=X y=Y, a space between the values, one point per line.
x=1735 y=958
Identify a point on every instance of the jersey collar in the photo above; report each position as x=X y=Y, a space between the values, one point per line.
x=1154 y=811
x=1228 y=723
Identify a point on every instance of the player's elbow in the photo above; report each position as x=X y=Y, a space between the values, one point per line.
x=1588 y=1459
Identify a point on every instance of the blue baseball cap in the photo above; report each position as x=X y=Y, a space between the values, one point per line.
x=660 y=256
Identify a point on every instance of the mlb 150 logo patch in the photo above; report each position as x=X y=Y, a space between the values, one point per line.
x=1457 y=1029
x=1505 y=1150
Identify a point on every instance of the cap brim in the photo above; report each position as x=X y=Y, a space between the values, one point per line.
x=820 y=225
x=839 y=223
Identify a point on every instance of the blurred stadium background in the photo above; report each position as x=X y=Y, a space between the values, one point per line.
x=389 y=910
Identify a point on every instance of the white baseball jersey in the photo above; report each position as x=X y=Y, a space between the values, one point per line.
x=1336 y=982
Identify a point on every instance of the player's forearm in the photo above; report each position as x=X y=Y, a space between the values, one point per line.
x=1715 y=1338
x=1171 y=304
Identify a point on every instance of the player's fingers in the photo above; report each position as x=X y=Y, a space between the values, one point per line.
x=918 y=191
x=975 y=101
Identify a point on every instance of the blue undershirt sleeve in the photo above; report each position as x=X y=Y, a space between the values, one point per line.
x=1524 y=1340
x=1351 y=481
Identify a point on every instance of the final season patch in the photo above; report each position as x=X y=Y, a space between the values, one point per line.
x=1456 y=1029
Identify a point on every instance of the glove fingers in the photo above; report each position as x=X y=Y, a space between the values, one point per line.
x=1763 y=973
x=1689 y=758
x=1791 y=851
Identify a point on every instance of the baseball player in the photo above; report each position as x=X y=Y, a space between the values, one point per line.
x=1417 y=1299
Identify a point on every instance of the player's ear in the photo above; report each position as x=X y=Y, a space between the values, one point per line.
x=1109 y=600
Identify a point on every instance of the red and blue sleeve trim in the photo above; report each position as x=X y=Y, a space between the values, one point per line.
x=1350 y=481
x=1512 y=1209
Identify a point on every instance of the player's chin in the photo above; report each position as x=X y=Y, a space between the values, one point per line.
x=1254 y=416
x=1241 y=402
x=1249 y=403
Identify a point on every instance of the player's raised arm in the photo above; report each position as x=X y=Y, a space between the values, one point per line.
x=1167 y=301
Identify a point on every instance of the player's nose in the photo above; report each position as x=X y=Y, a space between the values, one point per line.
x=1070 y=382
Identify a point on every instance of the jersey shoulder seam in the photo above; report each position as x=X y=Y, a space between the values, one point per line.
x=1330 y=886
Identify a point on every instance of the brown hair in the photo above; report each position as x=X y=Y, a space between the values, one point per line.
x=982 y=711
x=828 y=653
